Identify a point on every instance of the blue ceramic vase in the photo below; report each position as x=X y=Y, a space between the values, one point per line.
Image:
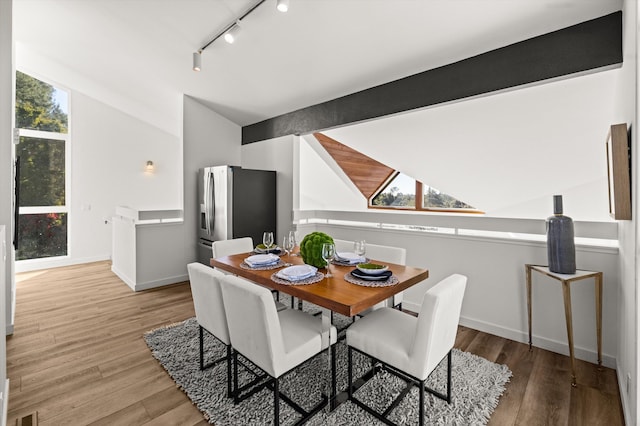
x=561 y=248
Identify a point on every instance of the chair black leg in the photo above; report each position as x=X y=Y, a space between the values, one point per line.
x=449 y=378
x=421 y=402
x=276 y=403
x=201 y=348
x=350 y=366
x=229 y=391
x=334 y=378
x=235 y=377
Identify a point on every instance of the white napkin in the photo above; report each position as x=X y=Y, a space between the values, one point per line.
x=350 y=258
x=297 y=272
x=261 y=260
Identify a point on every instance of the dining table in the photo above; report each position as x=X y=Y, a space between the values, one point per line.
x=334 y=294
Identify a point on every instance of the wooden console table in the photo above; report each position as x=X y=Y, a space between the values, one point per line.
x=566 y=280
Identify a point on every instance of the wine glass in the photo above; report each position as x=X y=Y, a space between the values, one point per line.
x=267 y=240
x=328 y=252
x=293 y=242
x=360 y=247
x=287 y=244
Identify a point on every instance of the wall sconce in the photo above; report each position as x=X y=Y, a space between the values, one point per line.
x=149 y=168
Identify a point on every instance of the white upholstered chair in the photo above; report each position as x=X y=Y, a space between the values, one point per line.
x=343 y=245
x=222 y=248
x=233 y=246
x=397 y=255
x=274 y=341
x=411 y=347
x=210 y=313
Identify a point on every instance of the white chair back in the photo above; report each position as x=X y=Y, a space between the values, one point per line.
x=207 y=300
x=437 y=325
x=397 y=255
x=234 y=246
x=343 y=245
x=254 y=326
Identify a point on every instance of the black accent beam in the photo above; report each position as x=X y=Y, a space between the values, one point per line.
x=590 y=45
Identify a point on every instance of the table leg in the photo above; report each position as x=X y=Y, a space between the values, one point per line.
x=528 y=282
x=326 y=343
x=598 y=279
x=566 y=291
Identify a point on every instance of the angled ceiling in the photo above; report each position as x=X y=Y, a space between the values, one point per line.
x=366 y=173
x=141 y=49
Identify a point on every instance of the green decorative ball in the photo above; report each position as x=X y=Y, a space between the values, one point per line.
x=311 y=248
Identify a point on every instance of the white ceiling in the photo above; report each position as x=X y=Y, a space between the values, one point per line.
x=319 y=50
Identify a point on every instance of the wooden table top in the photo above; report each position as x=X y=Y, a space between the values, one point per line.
x=333 y=293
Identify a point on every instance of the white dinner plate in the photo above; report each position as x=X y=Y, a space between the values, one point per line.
x=262 y=259
x=296 y=271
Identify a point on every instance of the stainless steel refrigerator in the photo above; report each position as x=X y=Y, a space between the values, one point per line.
x=233 y=203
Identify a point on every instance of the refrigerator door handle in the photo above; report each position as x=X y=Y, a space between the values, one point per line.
x=209 y=204
x=206 y=201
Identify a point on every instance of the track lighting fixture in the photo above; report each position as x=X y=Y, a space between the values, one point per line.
x=282 y=5
x=230 y=32
x=197 y=60
x=230 y=36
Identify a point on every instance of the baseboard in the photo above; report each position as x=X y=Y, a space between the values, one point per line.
x=588 y=355
x=128 y=281
x=37 y=264
x=160 y=283
x=584 y=354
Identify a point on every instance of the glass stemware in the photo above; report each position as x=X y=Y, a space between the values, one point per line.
x=328 y=253
x=288 y=244
x=293 y=242
x=360 y=247
x=267 y=240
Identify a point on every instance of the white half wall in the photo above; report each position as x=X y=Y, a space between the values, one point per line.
x=495 y=300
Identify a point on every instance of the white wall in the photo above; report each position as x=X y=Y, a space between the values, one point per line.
x=495 y=299
x=514 y=150
x=7 y=78
x=276 y=154
x=505 y=153
x=7 y=74
x=109 y=151
x=209 y=140
x=626 y=96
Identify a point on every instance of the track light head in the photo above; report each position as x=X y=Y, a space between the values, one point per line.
x=230 y=36
x=197 y=60
x=282 y=5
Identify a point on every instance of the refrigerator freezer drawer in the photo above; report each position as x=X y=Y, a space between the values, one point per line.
x=204 y=252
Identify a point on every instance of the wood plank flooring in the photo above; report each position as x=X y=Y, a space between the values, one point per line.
x=77 y=357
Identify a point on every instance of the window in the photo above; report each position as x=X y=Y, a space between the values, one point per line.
x=386 y=188
x=400 y=193
x=43 y=155
x=434 y=199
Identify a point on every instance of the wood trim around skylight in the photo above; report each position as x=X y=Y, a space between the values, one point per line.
x=366 y=173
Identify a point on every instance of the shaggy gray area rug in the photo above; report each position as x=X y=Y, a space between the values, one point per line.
x=477 y=385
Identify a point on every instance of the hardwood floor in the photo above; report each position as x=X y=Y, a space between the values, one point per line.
x=77 y=357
